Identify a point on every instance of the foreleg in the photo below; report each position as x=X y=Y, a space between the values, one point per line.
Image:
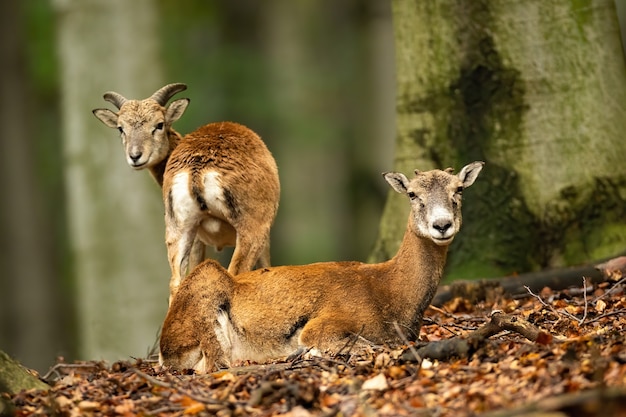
x=180 y=242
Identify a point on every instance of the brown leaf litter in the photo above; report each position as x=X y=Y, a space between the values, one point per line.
x=557 y=352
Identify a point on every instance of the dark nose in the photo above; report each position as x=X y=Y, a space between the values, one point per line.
x=442 y=226
x=135 y=157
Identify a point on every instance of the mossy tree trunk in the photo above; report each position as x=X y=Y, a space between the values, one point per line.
x=535 y=89
x=15 y=378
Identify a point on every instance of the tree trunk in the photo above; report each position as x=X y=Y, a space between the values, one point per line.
x=31 y=313
x=14 y=377
x=115 y=215
x=535 y=89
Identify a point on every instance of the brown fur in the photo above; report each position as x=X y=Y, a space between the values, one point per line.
x=242 y=195
x=217 y=318
x=246 y=171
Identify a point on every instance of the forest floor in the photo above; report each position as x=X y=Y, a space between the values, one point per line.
x=549 y=353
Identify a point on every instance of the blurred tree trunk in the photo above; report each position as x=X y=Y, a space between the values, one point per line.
x=310 y=220
x=31 y=315
x=537 y=90
x=115 y=214
x=332 y=145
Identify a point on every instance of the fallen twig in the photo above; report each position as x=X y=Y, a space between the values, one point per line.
x=55 y=370
x=350 y=343
x=157 y=382
x=500 y=322
x=464 y=346
x=585 y=298
x=416 y=356
x=554 y=310
x=151 y=379
x=609 y=314
x=615 y=287
x=440 y=310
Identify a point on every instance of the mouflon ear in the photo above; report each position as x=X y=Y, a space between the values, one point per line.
x=176 y=109
x=470 y=172
x=106 y=116
x=397 y=180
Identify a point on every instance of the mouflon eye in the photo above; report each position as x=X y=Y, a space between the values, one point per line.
x=159 y=126
x=121 y=129
x=459 y=190
x=411 y=195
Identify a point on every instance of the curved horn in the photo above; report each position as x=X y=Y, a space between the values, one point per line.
x=115 y=98
x=163 y=94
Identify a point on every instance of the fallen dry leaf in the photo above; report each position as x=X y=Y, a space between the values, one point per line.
x=377 y=383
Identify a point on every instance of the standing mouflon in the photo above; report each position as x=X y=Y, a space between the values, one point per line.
x=220 y=182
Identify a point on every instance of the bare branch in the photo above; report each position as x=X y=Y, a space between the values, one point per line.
x=412 y=349
x=554 y=310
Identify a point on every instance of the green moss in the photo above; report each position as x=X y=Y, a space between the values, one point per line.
x=608 y=241
x=582 y=11
x=590 y=219
x=474 y=268
x=15 y=378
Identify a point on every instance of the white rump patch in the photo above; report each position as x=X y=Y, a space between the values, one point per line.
x=214 y=194
x=183 y=204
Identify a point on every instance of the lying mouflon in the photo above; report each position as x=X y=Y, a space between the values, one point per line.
x=217 y=318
